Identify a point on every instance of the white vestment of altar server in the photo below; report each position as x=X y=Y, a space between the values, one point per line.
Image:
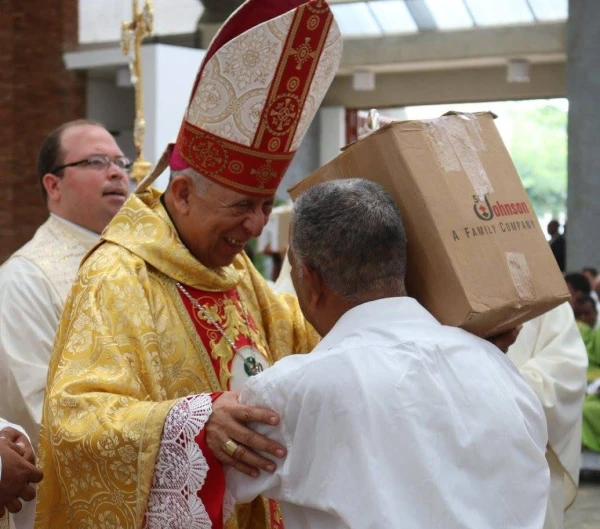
x=34 y=283
x=397 y=421
x=552 y=358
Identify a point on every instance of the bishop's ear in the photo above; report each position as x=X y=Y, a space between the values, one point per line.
x=182 y=191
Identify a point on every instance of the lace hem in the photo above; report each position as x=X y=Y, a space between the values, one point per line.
x=228 y=505
x=181 y=469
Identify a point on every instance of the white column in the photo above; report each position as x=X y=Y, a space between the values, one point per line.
x=168 y=74
x=333 y=132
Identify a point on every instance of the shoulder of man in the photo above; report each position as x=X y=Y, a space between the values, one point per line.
x=111 y=259
x=324 y=372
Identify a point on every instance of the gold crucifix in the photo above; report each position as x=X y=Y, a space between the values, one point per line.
x=132 y=35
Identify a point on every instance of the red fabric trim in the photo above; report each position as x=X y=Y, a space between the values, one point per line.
x=207 y=332
x=276 y=520
x=258 y=170
x=215 y=395
x=212 y=494
x=293 y=78
x=231 y=164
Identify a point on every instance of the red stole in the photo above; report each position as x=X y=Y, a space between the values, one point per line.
x=213 y=492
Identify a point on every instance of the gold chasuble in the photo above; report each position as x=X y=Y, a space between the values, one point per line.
x=129 y=347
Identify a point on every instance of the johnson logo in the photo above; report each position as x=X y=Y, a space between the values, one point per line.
x=485 y=211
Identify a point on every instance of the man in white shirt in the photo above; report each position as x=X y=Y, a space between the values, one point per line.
x=17 y=473
x=393 y=420
x=84 y=180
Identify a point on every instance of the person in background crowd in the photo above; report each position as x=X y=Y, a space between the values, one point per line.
x=586 y=311
x=578 y=286
x=84 y=180
x=592 y=275
x=83 y=177
x=557 y=244
x=551 y=356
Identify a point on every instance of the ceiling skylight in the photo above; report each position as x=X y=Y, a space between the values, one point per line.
x=449 y=14
x=550 y=10
x=355 y=20
x=393 y=16
x=500 y=12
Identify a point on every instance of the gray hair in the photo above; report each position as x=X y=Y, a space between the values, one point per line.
x=351 y=232
x=201 y=183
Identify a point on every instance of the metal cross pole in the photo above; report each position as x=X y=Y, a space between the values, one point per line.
x=132 y=35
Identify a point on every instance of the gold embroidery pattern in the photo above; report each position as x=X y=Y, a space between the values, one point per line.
x=282 y=113
x=325 y=72
x=209 y=154
x=293 y=84
x=304 y=52
x=298 y=56
x=264 y=173
x=262 y=170
x=124 y=353
x=57 y=249
x=242 y=71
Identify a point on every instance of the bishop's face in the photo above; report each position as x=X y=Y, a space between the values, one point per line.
x=221 y=222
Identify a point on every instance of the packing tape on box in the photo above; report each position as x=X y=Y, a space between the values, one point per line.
x=520 y=275
x=457 y=141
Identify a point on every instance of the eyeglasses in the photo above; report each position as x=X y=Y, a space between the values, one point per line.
x=99 y=162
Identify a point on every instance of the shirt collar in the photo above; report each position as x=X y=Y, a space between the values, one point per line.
x=76 y=227
x=382 y=313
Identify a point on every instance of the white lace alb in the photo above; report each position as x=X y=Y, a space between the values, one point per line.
x=181 y=469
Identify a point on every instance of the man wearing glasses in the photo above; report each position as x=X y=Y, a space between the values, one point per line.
x=84 y=181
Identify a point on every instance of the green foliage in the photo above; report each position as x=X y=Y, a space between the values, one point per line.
x=538 y=147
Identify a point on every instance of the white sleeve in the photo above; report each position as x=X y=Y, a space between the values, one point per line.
x=245 y=488
x=6 y=424
x=284 y=281
x=555 y=367
x=552 y=358
x=311 y=432
x=29 y=313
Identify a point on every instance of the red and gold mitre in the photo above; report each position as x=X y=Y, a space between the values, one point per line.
x=258 y=88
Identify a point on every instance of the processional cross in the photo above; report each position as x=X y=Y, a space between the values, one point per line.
x=132 y=35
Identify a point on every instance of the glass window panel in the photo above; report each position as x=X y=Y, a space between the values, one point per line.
x=449 y=14
x=547 y=10
x=500 y=13
x=393 y=16
x=355 y=20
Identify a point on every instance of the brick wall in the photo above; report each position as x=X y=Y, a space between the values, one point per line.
x=36 y=95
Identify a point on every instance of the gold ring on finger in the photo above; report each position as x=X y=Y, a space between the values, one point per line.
x=230 y=447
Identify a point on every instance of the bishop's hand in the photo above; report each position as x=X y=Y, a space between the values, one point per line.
x=233 y=443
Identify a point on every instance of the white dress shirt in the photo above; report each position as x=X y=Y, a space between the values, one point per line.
x=397 y=421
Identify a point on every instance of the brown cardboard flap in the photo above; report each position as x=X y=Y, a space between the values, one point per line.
x=477 y=256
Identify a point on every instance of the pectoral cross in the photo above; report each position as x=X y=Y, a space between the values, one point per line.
x=132 y=35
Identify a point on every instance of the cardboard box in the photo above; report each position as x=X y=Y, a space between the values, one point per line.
x=275 y=235
x=477 y=257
